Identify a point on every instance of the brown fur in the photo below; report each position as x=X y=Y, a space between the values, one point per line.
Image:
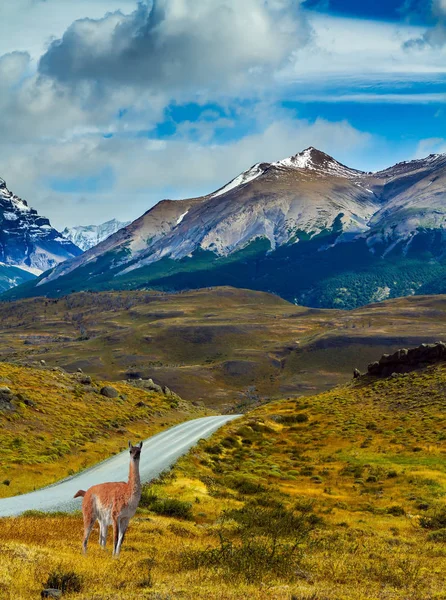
x=112 y=504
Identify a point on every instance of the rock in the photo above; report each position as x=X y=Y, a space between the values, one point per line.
x=51 y=593
x=79 y=370
x=404 y=360
x=43 y=362
x=167 y=391
x=141 y=405
x=373 y=368
x=154 y=387
x=356 y=374
x=6 y=396
x=109 y=392
x=85 y=380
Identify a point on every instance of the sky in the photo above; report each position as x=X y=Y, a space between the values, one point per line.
x=109 y=106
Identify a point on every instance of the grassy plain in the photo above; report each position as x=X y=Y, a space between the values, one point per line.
x=338 y=496
x=224 y=346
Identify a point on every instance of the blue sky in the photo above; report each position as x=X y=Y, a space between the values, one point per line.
x=109 y=106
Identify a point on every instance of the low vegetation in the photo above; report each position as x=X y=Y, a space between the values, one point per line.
x=54 y=424
x=231 y=349
x=345 y=504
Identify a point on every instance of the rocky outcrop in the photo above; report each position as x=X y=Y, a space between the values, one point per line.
x=406 y=360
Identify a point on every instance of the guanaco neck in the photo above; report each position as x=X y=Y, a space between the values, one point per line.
x=134 y=478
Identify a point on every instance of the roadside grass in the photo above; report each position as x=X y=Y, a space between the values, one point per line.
x=66 y=426
x=347 y=504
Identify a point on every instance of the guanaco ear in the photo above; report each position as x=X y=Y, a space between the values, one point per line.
x=140 y=445
x=130 y=445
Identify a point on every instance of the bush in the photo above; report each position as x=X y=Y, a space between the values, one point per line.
x=66 y=581
x=244 y=486
x=437 y=536
x=291 y=419
x=264 y=544
x=396 y=511
x=436 y=519
x=169 y=507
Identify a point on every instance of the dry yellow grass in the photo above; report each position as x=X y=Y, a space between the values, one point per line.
x=71 y=425
x=364 y=464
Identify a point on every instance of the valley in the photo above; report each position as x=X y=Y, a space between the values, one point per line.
x=228 y=348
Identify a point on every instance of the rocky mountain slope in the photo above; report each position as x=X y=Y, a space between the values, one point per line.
x=29 y=245
x=87 y=236
x=307 y=228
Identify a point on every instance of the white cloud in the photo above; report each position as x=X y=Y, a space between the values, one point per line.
x=146 y=169
x=222 y=51
x=430 y=146
x=178 y=44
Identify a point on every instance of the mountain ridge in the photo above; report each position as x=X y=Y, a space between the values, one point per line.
x=298 y=210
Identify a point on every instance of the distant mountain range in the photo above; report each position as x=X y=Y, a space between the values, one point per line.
x=29 y=245
x=87 y=236
x=308 y=228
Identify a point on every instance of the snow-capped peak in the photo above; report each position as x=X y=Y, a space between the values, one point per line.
x=87 y=236
x=312 y=159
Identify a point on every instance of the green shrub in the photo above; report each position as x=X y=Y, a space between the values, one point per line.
x=291 y=419
x=396 y=511
x=265 y=543
x=244 y=486
x=437 y=536
x=436 y=519
x=66 y=581
x=169 y=507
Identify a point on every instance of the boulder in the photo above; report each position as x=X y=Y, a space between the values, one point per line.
x=152 y=386
x=356 y=374
x=6 y=396
x=109 y=392
x=85 y=380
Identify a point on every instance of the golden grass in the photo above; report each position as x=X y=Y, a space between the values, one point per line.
x=366 y=462
x=71 y=426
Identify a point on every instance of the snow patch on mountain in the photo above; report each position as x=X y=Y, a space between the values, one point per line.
x=242 y=179
x=181 y=217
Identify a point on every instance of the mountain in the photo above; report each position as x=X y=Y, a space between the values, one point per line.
x=29 y=245
x=307 y=228
x=87 y=236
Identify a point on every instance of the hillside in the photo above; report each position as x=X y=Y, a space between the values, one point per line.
x=226 y=347
x=307 y=228
x=335 y=496
x=54 y=424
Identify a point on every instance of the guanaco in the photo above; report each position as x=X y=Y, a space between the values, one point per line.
x=112 y=504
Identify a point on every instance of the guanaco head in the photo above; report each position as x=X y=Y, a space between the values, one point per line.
x=135 y=451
